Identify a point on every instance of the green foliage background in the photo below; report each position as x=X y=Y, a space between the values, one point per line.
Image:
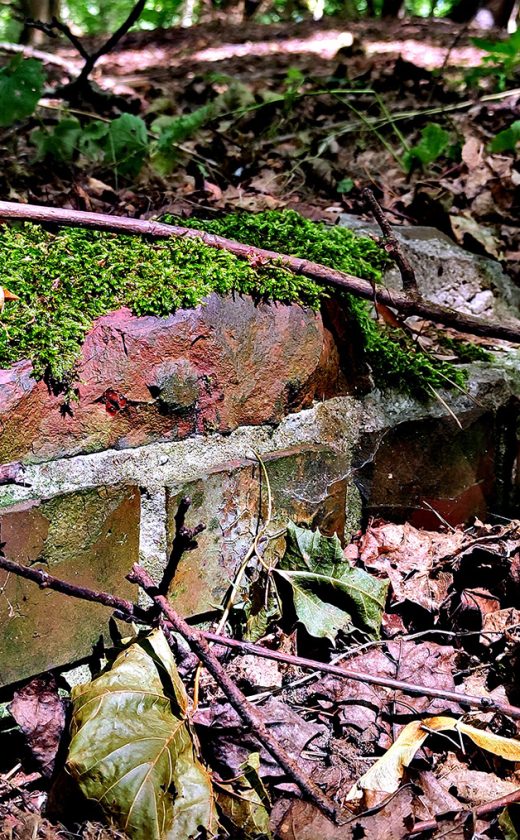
x=98 y=16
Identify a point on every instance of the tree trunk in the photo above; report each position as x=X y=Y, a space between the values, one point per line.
x=498 y=12
x=42 y=10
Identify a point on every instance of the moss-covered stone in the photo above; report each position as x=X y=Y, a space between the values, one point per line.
x=68 y=279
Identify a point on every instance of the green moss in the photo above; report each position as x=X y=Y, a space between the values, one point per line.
x=68 y=279
x=466 y=351
x=394 y=358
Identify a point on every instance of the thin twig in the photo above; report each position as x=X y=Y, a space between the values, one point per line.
x=184 y=540
x=132 y=612
x=391 y=244
x=480 y=811
x=247 y=712
x=403 y=302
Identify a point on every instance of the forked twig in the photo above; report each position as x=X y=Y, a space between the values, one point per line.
x=246 y=711
x=128 y=611
x=391 y=244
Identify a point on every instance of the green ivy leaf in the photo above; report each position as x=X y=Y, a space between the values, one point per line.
x=433 y=143
x=328 y=593
x=132 y=750
x=126 y=144
x=506 y=141
x=21 y=86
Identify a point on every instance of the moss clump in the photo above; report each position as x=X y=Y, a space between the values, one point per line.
x=66 y=280
x=465 y=350
x=394 y=358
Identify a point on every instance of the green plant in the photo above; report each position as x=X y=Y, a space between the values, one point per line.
x=21 y=86
x=328 y=593
x=171 y=131
x=433 y=143
x=501 y=62
x=394 y=358
x=65 y=281
x=132 y=748
x=507 y=140
x=120 y=144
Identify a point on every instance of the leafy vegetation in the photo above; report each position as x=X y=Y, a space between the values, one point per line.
x=21 y=85
x=394 y=358
x=501 y=61
x=433 y=143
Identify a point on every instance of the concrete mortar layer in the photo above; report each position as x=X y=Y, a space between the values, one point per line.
x=334 y=421
x=338 y=421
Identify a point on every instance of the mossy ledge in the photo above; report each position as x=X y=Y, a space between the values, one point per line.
x=67 y=279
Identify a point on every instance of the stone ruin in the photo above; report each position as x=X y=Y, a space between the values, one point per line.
x=184 y=405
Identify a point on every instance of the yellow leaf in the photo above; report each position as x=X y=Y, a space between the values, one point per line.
x=385 y=775
x=5 y=294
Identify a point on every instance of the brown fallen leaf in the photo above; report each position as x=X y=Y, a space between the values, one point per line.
x=230 y=744
x=302 y=821
x=40 y=713
x=474 y=787
x=499 y=624
x=410 y=559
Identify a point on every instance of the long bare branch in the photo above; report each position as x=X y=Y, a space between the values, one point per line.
x=404 y=303
x=132 y=612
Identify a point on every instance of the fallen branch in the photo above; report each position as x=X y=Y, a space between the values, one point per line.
x=80 y=86
x=404 y=303
x=246 y=711
x=480 y=811
x=46 y=58
x=391 y=244
x=132 y=612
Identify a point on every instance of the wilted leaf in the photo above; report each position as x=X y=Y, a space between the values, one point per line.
x=328 y=593
x=507 y=826
x=412 y=559
x=465 y=226
x=385 y=775
x=21 y=86
x=303 y=821
x=231 y=743
x=245 y=802
x=132 y=750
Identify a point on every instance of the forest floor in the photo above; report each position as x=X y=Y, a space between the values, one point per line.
x=305 y=116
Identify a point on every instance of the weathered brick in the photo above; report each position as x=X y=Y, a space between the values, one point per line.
x=89 y=538
x=221 y=365
x=308 y=486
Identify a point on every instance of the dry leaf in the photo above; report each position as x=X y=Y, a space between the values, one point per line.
x=5 y=294
x=385 y=775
